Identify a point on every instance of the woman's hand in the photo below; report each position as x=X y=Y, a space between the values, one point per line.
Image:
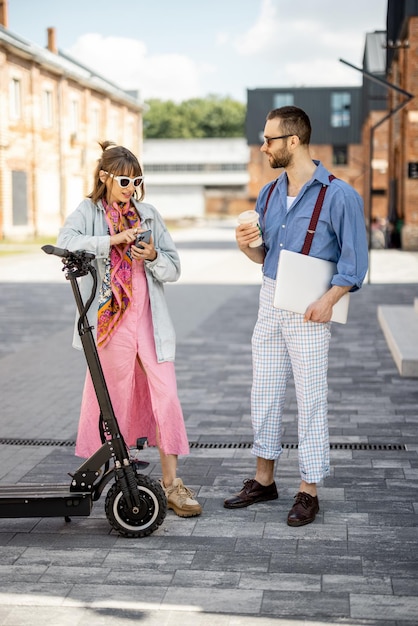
x=126 y=236
x=147 y=252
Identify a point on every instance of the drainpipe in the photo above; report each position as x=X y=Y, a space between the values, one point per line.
x=392 y=112
x=61 y=159
x=4 y=21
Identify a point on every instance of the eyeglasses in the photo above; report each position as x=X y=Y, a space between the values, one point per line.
x=268 y=140
x=125 y=181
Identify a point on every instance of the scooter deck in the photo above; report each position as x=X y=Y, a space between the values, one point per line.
x=32 y=500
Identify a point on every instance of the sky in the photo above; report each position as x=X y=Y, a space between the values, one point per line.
x=181 y=49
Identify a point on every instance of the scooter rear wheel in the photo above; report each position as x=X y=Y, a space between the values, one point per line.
x=151 y=511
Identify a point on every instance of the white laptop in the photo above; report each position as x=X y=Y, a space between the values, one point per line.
x=302 y=279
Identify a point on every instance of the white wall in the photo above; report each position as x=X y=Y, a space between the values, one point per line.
x=176 y=202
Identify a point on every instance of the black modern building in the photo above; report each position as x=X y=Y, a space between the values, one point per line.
x=335 y=112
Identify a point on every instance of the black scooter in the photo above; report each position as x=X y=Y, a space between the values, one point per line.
x=135 y=504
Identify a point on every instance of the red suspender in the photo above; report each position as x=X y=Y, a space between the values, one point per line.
x=315 y=215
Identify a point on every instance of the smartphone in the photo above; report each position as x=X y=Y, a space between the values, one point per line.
x=145 y=236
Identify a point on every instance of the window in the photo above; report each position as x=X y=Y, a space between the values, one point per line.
x=74 y=119
x=19 y=198
x=195 y=167
x=113 y=127
x=15 y=99
x=95 y=122
x=340 y=109
x=339 y=155
x=282 y=100
x=47 y=108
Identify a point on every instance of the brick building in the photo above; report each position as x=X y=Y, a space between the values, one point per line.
x=402 y=70
x=52 y=113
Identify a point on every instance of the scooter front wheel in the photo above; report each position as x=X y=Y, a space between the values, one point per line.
x=146 y=517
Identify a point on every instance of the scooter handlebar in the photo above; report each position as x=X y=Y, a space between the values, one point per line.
x=57 y=251
x=65 y=254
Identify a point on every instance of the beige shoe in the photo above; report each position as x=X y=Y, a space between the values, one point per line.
x=180 y=499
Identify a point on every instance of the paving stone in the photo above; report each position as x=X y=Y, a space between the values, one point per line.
x=138 y=577
x=383 y=607
x=356 y=584
x=103 y=595
x=305 y=604
x=317 y=564
x=235 y=562
x=281 y=582
x=34 y=594
x=207 y=579
x=161 y=560
x=386 y=564
x=217 y=601
x=21 y=573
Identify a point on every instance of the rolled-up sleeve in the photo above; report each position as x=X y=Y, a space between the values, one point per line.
x=347 y=217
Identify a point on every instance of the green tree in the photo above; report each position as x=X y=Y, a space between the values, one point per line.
x=194 y=118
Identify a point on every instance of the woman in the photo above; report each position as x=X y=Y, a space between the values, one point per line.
x=134 y=333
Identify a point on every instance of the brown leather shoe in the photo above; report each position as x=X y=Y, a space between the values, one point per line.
x=304 y=510
x=251 y=493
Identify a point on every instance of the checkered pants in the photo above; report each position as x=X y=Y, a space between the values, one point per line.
x=282 y=342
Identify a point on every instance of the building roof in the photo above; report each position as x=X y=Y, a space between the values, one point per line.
x=61 y=64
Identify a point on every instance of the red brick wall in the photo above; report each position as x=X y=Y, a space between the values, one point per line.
x=403 y=137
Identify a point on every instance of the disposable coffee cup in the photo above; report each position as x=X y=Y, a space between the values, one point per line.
x=251 y=217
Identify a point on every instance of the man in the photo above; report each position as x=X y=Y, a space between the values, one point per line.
x=284 y=341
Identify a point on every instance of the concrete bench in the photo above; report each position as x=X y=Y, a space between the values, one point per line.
x=400 y=328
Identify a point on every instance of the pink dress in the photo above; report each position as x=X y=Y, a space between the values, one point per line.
x=143 y=392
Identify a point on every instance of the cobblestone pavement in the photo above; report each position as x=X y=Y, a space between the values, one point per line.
x=357 y=564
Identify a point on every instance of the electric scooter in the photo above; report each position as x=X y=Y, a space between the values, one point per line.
x=135 y=504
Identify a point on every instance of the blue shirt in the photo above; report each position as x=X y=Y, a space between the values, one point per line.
x=340 y=233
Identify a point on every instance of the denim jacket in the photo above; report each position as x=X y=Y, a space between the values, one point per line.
x=86 y=229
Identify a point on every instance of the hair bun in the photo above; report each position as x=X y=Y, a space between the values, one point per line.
x=106 y=144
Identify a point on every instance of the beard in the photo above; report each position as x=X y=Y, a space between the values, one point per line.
x=284 y=159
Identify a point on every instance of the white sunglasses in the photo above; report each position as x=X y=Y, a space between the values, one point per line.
x=125 y=181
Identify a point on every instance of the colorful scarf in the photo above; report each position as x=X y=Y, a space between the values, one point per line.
x=116 y=289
